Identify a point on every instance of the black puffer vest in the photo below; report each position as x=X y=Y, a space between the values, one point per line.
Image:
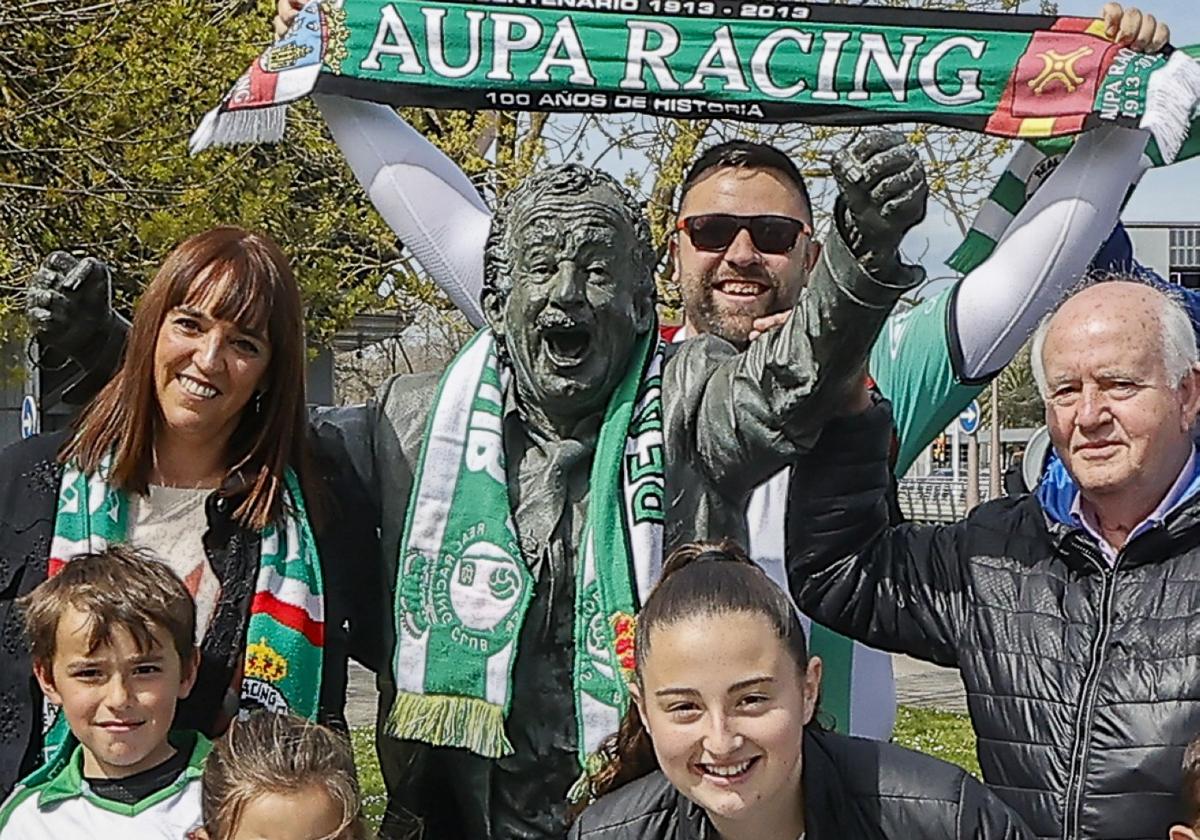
x=853 y=788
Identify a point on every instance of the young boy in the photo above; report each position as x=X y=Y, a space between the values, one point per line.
x=1190 y=795
x=112 y=644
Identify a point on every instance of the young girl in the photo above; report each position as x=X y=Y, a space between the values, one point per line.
x=280 y=777
x=720 y=740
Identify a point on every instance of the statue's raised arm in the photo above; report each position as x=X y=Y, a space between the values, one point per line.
x=68 y=304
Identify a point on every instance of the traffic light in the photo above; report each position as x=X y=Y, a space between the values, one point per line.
x=939 y=447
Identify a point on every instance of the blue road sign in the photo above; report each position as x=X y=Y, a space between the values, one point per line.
x=30 y=421
x=968 y=421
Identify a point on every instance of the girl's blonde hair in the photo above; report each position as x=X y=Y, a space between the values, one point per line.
x=269 y=753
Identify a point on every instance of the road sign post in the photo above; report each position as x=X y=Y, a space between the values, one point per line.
x=31 y=420
x=968 y=421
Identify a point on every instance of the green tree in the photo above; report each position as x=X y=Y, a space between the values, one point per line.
x=97 y=101
x=1021 y=405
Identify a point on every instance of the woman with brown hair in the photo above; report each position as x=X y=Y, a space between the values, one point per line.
x=197 y=449
x=719 y=742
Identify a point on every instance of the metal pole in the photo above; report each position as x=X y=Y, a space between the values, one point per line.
x=994 y=455
x=972 y=471
x=954 y=456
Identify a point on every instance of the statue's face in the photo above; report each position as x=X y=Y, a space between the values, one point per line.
x=574 y=312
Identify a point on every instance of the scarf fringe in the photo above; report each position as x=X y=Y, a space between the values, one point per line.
x=229 y=128
x=1171 y=97
x=450 y=721
x=581 y=789
x=973 y=250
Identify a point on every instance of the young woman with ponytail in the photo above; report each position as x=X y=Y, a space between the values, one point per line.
x=720 y=744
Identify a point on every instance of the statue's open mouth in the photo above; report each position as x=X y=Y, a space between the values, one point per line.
x=567 y=346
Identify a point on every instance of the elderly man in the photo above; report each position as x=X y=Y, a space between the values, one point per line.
x=1071 y=614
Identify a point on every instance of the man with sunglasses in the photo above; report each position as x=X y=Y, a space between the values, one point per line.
x=743 y=243
x=742 y=253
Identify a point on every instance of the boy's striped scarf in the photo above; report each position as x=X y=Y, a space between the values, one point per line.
x=463 y=586
x=285 y=636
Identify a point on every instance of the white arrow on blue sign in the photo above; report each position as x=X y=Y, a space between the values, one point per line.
x=968 y=421
x=30 y=421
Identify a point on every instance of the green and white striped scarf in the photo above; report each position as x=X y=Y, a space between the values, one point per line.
x=285 y=635
x=463 y=587
x=1034 y=161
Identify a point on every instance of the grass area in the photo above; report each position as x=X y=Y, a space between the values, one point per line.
x=943 y=734
x=370 y=780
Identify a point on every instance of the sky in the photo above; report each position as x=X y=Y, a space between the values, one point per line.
x=1165 y=195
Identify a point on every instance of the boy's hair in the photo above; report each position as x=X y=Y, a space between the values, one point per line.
x=267 y=753
x=118 y=587
x=1191 y=784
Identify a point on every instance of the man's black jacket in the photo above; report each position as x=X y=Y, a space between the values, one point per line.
x=1083 y=680
x=29 y=485
x=853 y=788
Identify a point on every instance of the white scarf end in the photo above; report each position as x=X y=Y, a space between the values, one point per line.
x=229 y=128
x=1171 y=99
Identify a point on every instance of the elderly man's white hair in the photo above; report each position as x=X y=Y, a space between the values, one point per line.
x=1180 y=352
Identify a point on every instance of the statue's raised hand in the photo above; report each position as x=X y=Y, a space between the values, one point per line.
x=68 y=303
x=882 y=195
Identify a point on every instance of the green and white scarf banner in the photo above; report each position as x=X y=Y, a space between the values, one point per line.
x=1031 y=164
x=285 y=634
x=463 y=586
x=1028 y=76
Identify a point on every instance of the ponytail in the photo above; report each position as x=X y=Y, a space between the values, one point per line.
x=700 y=578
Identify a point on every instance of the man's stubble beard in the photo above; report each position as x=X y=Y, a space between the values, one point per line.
x=705 y=318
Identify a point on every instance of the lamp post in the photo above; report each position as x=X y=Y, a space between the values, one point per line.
x=994 y=455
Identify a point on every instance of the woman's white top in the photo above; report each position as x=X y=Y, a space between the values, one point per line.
x=171 y=522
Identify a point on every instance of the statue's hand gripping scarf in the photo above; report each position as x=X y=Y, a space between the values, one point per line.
x=285 y=635
x=1029 y=76
x=463 y=587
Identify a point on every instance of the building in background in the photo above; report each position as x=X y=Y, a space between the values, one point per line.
x=1170 y=248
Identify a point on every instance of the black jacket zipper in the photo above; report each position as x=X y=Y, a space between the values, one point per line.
x=1073 y=805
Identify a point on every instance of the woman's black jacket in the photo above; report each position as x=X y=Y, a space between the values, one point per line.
x=853 y=788
x=347 y=543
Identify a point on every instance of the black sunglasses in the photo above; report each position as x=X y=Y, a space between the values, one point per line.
x=770 y=234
